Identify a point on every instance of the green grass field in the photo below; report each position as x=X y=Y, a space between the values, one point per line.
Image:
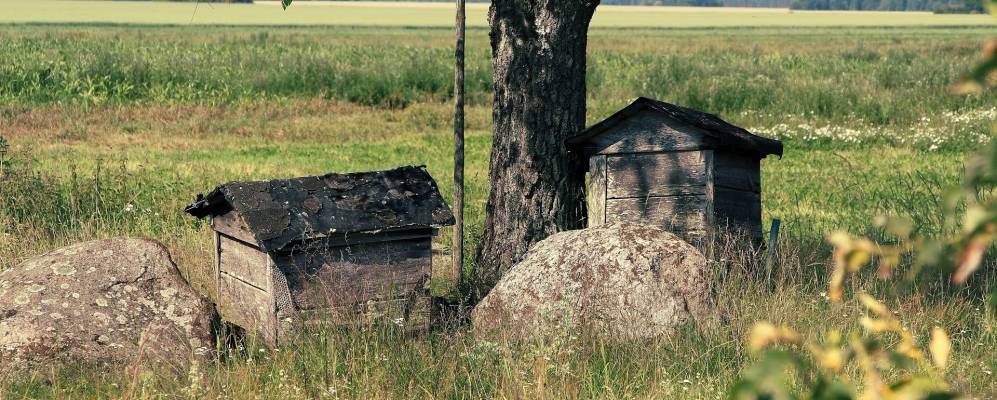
x=102 y=117
x=439 y=15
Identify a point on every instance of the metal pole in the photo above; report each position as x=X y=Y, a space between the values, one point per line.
x=458 y=168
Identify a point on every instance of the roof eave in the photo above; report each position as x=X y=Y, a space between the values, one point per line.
x=760 y=145
x=208 y=205
x=769 y=146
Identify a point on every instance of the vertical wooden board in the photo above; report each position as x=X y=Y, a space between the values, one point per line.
x=737 y=171
x=248 y=307
x=230 y=224
x=218 y=266
x=244 y=262
x=355 y=274
x=649 y=131
x=656 y=174
x=597 y=191
x=673 y=213
x=709 y=161
x=738 y=210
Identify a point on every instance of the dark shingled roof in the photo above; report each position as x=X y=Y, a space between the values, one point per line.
x=282 y=211
x=727 y=135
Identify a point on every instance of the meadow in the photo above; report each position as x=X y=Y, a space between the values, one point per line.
x=439 y=15
x=113 y=129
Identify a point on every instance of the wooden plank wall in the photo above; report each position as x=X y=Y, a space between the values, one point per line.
x=737 y=172
x=347 y=277
x=656 y=174
x=668 y=189
x=248 y=307
x=245 y=287
x=737 y=183
x=229 y=224
x=675 y=213
x=245 y=263
x=649 y=131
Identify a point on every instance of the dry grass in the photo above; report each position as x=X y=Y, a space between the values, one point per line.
x=181 y=150
x=78 y=164
x=374 y=361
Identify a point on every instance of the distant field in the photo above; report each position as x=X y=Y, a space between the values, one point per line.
x=440 y=15
x=112 y=130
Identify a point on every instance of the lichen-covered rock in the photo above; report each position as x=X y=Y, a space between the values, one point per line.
x=624 y=281
x=113 y=300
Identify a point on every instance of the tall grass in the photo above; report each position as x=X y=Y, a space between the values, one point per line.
x=373 y=361
x=113 y=129
x=881 y=77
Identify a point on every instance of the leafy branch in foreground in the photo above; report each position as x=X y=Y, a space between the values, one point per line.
x=871 y=354
x=984 y=75
x=887 y=346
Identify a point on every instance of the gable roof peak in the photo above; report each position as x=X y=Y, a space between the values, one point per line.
x=728 y=136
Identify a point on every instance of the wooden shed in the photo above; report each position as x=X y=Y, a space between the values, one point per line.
x=685 y=170
x=324 y=248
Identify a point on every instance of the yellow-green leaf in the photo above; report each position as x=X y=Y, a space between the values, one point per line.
x=873 y=305
x=764 y=334
x=940 y=347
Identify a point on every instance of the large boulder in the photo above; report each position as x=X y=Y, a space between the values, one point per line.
x=115 y=301
x=623 y=281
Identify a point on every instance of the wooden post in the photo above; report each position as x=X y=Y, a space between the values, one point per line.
x=458 y=168
x=773 y=243
x=3 y=154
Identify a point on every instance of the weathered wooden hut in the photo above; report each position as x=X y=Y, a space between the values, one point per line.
x=324 y=248
x=685 y=170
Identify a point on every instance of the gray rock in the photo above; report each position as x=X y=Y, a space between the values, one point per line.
x=116 y=301
x=623 y=281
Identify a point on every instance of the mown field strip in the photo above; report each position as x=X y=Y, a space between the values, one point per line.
x=440 y=15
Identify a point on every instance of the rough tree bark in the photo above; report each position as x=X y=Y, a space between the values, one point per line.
x=536 y=189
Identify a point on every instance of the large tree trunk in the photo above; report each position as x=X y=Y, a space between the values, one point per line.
x=536 y=189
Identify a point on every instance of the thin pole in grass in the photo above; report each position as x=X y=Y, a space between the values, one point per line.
x=772 y=245
x=458 y=167
x=3 y=154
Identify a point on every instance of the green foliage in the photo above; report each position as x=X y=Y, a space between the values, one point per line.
x=887 y=347
x=102 y=199
x=155 y=152
x=939 y=6
x=769 y=378
x=768 y=80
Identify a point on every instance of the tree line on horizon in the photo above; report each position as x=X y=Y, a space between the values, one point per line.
x=937 y=6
